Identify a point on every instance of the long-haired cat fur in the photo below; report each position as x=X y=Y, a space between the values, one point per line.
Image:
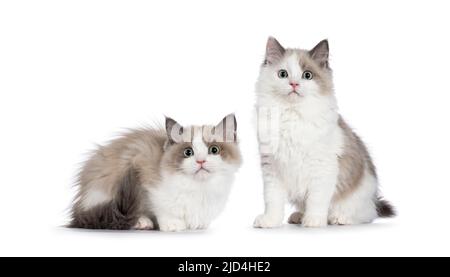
x=169 y=179
x=310 y=157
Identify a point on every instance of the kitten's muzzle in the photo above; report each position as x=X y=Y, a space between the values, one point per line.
x=201 y=163
x=294 y=93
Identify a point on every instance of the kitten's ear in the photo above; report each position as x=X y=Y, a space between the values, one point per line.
x=320 y=53
x=174 y=130
x=274 y=51
x=226 y=128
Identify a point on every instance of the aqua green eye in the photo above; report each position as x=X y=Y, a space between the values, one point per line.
x=282 y=74
x=307 y=75
x=214 y=150
x=188 y=152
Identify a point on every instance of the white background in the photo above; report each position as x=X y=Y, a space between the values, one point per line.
x=74 y=73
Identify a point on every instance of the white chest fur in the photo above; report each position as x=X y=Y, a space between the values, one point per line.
x=306 y=148
x=185 y=203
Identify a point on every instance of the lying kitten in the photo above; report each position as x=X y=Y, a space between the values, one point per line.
x=310 y=156
x=175 y=179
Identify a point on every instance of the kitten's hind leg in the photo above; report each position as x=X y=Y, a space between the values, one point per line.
x=358 y=206
x=143 y=223
x=119 y=213
x=297 y=216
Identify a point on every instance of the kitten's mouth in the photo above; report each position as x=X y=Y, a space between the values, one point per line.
x=294 y=93
x=202 y=169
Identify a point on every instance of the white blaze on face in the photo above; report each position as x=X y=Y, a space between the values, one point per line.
x=213 y=163
x=189 y=164
x=271 y=84
x=291 y=64
x=293 y=67
x=306 y=87
x=199 y=146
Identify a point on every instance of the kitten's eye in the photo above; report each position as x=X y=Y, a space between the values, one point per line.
x=282 y=74
x=188 y=152
x=307 y=75
x=214 y=149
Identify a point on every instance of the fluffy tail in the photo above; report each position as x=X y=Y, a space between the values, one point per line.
x=384 y=208
x=121 y=213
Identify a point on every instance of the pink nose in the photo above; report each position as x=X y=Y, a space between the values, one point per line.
x=293 y=85
x=201 y=162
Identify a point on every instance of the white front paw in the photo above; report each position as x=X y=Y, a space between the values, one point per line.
x=341 y=220
x=267 y=221
x=143 y=223
x=174 y=225
x=314 y=220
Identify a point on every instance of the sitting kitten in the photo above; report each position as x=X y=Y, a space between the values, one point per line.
x=175 y=179
x=309 y=155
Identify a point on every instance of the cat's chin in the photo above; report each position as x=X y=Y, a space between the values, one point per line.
x=294 y=96
x=201 y=175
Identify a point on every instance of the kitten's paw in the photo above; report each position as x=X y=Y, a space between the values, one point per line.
x=341 y=220
x=172 y=226
x=295 y=218
x=143 y=223
x=267 y=221
x=202 y=227
x=197 y=225
x=314 y=221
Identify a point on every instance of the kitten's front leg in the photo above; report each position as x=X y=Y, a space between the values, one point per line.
x=274 y=198
x=320 y=192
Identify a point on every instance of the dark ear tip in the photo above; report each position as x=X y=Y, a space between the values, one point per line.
x=169 y=121
x=167 y=118
x=320 y=47
x=273 y=41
